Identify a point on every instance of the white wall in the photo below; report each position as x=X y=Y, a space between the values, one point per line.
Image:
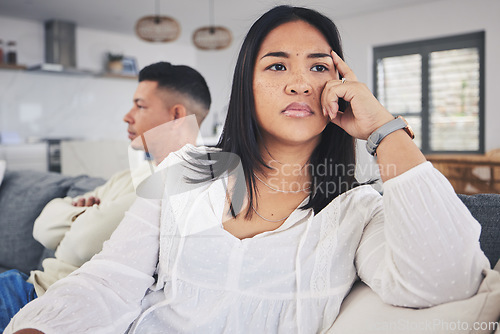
x=431 y=20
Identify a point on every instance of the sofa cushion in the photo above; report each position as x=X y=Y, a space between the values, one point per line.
x=486 y=209
x=364 y=312
x=23 y=195
x=83 y=184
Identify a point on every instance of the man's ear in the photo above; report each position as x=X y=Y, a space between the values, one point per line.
x=178 y=111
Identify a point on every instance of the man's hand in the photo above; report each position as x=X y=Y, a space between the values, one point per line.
x=86 y=202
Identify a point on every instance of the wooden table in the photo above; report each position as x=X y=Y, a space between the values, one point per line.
x=469 y=173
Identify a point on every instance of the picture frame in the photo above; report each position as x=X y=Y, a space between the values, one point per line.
x=129 y=65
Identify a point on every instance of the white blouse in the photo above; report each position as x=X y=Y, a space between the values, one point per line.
x=416 y=246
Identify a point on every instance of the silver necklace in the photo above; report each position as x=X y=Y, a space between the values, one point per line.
x=269 y=220
x=279 y=190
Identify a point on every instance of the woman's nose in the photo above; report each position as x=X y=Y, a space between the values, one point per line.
x=298 y=84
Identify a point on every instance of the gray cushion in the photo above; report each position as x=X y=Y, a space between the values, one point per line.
x=83 y=184
x=486 y=209
x=23 y=195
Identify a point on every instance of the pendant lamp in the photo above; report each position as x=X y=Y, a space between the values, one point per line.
x=156 y=28
x=212 y=37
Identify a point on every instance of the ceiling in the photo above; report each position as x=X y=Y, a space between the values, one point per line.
x=120 y=15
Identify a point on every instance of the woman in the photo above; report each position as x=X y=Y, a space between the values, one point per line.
x=283 y=259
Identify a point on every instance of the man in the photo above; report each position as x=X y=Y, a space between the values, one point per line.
x=77 y=227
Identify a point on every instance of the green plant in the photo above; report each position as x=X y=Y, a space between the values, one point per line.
x=114 y=57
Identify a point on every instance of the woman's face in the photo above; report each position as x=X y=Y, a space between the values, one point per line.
x=291 y=69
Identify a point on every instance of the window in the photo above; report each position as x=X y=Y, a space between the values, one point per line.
x=438 y=86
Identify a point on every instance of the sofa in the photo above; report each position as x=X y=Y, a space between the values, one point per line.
x=23 y=194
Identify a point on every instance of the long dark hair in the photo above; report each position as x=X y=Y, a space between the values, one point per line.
x=241 y=133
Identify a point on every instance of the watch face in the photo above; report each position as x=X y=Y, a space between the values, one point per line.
x=408 y=128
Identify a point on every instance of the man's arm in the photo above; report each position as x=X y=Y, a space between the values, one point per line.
x=55 y=220
x=92 y=228
x=59 y=214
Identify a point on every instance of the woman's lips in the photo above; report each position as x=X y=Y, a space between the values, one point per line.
x=298 y=110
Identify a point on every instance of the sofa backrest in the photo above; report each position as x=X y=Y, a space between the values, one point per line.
x=23 y=195
x=486 y=209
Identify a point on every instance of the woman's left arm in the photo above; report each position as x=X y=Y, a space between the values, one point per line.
x=421 y=246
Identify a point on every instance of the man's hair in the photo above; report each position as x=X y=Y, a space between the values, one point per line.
x=178 y=78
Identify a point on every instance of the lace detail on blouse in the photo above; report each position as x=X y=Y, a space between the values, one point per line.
x=320 y=279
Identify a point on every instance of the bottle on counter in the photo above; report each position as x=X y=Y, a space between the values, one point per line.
x=11 y=53
x=1 y=51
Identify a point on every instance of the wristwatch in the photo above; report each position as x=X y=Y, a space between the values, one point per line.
x=376 y=137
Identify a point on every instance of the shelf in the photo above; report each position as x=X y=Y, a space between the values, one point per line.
x=4 y=66
x=59 y=69
x=117 y=76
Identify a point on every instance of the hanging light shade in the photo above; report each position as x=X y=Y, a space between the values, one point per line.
x=156 y=28
x=212 y=38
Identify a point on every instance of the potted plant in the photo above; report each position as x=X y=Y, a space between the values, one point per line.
x=115 y=63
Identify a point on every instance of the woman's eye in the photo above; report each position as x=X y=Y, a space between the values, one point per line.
x=277 y=67
x=319 y=68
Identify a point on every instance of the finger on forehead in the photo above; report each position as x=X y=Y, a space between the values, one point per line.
x=344 y=70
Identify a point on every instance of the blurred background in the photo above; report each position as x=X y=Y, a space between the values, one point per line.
x=68 y=73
